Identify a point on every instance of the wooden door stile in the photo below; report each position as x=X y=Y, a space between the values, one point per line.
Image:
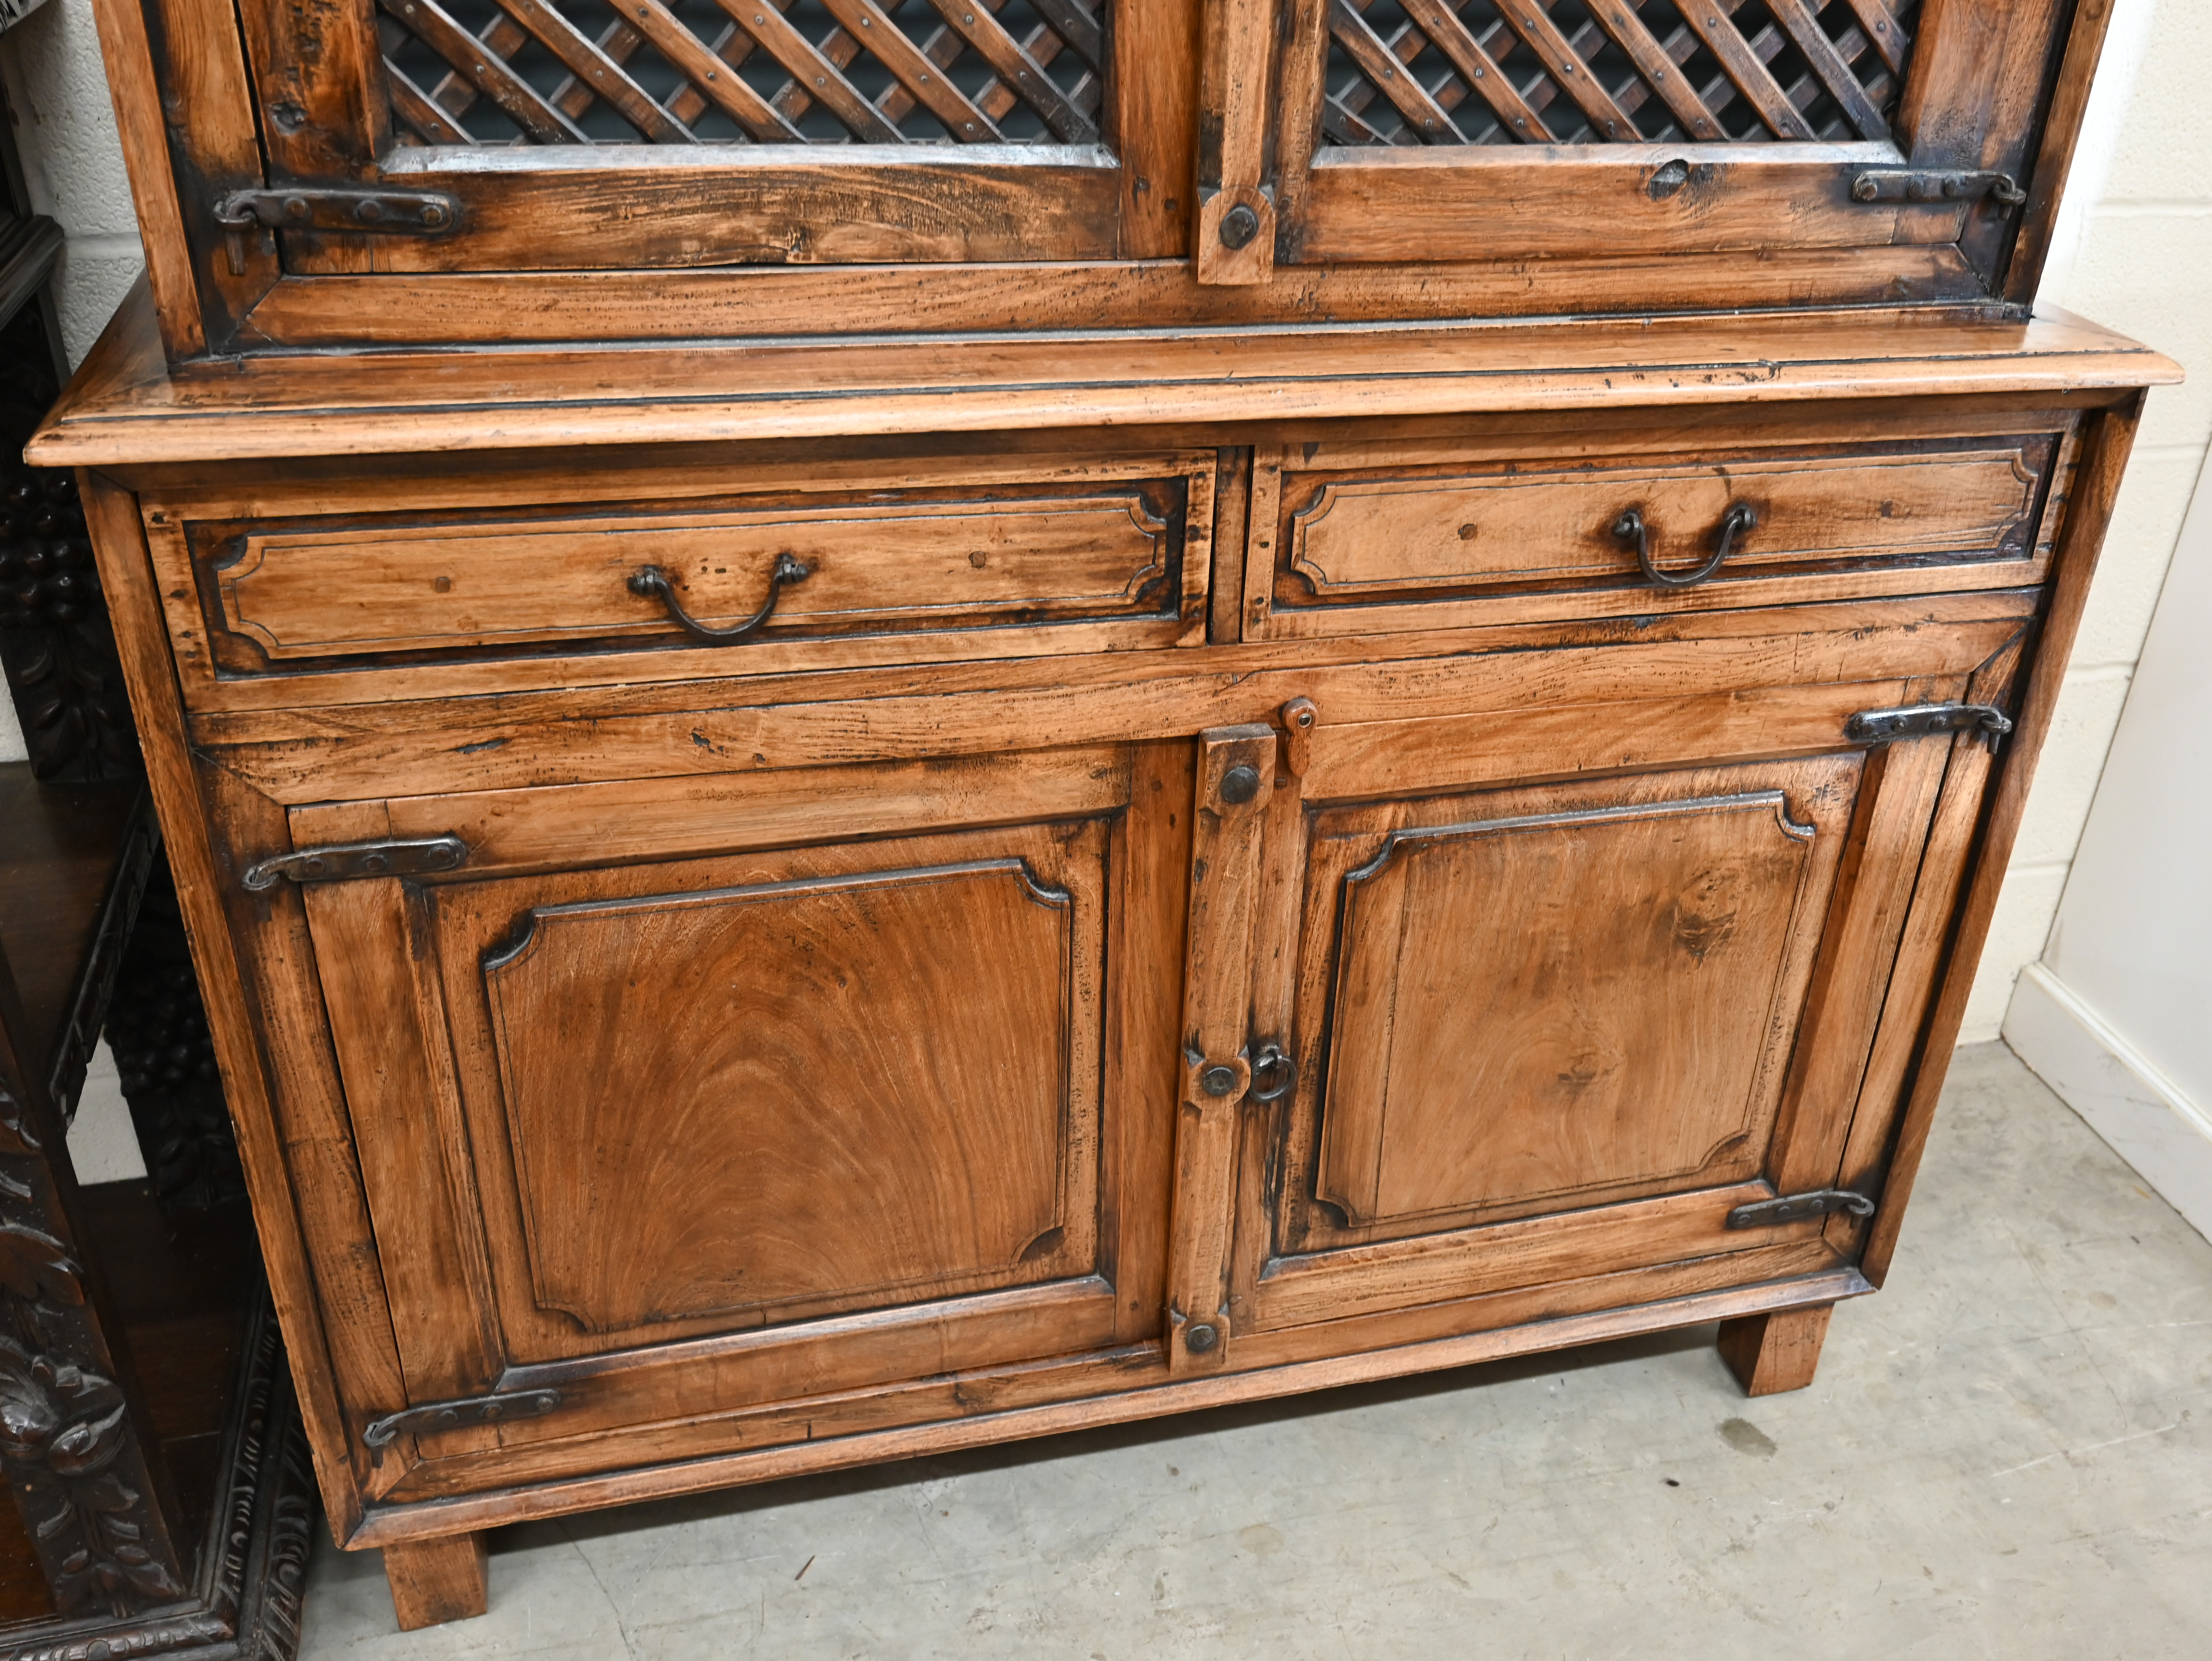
x=1234 y=785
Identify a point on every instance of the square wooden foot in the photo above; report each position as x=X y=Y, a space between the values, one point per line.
x=1769 y=1353
x=435 y=1580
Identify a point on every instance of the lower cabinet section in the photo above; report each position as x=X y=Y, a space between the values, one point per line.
x=742 y=1113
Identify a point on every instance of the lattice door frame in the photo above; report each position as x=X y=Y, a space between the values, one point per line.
x=1760 y=146
x=618 y=135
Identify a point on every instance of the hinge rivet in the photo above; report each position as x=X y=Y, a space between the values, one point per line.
x=1239 y=785
x=1218 y=1080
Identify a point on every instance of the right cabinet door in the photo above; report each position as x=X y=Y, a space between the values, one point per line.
x=1564 y=991
x=1415 y=131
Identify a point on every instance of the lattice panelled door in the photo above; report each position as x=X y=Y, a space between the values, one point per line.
x=548 y=135
x=1515 y=129
x=1612 y=71
x=744 y=71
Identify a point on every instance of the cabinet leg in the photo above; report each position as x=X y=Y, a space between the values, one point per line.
x=1769 y=1353
x=435 y=1580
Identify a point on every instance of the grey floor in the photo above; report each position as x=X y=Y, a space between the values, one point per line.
x=2007 y=1452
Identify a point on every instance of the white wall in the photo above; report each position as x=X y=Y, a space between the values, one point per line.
x=72 y=162
x=2134 y=251
x=2115 y=1017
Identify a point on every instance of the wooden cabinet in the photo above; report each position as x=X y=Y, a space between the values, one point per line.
x=1056 y=712
x=491 y=171
x=1179 y=919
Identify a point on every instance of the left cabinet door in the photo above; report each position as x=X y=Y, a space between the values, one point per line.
x=687 y=1098
x=579 y=134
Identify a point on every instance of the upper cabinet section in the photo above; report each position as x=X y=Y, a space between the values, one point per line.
x=317 y=174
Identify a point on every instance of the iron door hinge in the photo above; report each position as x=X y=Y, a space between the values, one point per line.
x=324 y=208
x=1920 y=721
x=327 y=208
x=450 y=1415
x=1932 y=184
x=1796 y=1207
x=340 y=860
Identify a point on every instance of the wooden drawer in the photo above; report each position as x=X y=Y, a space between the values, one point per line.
x=914 y=564
x=1375 y=538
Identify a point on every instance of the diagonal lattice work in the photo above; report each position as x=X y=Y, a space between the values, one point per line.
x=737 y=71
x=1614 y=71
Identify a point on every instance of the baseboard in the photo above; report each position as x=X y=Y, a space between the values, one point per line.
x=2145 y=1117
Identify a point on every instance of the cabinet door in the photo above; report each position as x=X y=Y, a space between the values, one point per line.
x=1563 y=992
x=684 y=1100
x=1483 y=129
x=579 y=134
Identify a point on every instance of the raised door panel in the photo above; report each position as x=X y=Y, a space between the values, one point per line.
x=711 y=1106
x=823 y=1092
x=718 y=1096
x=1555 y=1030
x=1592 y=1000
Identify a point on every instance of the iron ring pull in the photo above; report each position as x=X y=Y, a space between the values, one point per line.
x=1271 y=1060
x=1741 y=517
x=651 y=582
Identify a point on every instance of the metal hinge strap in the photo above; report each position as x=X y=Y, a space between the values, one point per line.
x=1934 y=184
x=323 y=208
x=450 y=1415
x=1918 y=720
x=1796 y=1207
x=340 y=860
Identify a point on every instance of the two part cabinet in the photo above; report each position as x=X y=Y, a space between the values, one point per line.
x=899 y=725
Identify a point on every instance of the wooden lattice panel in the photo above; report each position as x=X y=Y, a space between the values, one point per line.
x=1613 y=71
x=735 y=71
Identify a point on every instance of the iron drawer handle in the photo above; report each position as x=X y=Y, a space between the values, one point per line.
x=1629 y=526
x=1270 y=1059
x=651 y=582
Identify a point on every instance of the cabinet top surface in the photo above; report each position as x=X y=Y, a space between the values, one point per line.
x=127 y=405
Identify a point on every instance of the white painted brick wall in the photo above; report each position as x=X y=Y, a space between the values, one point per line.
x=73 y=162
x=2134 y=251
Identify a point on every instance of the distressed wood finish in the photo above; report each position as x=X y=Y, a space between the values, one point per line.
x=1377 y=526
x=1472 y=161
x=1204 y=836
x=433 y=1581
x=1775 y=1352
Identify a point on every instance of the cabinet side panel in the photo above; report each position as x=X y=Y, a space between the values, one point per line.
x=2108 y=437
x=127 y=581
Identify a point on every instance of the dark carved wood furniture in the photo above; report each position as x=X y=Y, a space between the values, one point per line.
x=161 y=1500
x=1186 y=820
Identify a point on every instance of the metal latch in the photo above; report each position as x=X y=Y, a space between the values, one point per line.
x=1919 y=720
x=1928 y=184
x=1796 y=1207
x=325 y=208
x=359 y=859
x=450 y=1415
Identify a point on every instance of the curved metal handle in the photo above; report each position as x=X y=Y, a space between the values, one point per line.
x=651 y=582
x=1271 y=1060
x=1741 y=517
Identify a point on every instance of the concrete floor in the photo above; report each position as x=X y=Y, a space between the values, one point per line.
x=2007 y=1453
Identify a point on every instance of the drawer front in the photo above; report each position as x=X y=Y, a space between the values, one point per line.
x=1382 y=541
x=737 y=582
